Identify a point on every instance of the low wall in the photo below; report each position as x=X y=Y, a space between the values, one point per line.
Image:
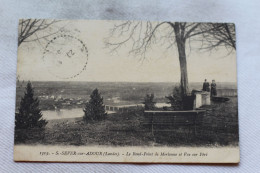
x=170 y=120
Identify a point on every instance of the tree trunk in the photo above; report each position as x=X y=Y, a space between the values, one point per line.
x=180 y=40
x=183 y=67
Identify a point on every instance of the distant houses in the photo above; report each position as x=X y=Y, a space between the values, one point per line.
x=58 y=101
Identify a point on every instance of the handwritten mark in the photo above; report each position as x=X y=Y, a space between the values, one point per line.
x=70 y=53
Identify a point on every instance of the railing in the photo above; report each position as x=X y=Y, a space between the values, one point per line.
x=227 y=92
x=122 y=108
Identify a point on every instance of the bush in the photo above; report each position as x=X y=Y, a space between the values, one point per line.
x=149 y=103
x=29 y=135
x=175 y=99
x=95 y=109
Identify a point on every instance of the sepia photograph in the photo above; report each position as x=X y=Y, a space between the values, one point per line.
x=126 y=91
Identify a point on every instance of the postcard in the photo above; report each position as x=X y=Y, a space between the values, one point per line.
x=126 y=91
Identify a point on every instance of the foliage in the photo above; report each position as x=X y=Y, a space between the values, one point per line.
x=29 y=118
x=29 y=115
x=149 y=103
x=95 y=109
x=176 y=99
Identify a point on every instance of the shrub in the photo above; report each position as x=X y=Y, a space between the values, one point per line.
x=149 y=103
x=175 y=99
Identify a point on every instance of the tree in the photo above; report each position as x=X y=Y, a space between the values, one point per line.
x=219 y=35
x=29 y=28
x=143 y=34
x=149 y=103
x=29 y=115
x=95 y=109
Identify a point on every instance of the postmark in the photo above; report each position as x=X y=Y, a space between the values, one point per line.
x=65 y=56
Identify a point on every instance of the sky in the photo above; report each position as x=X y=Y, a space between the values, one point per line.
x=63 y=60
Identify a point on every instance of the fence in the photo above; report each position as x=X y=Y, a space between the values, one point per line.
x=226 y=92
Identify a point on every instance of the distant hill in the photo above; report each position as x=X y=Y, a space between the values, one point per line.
x=122 y=92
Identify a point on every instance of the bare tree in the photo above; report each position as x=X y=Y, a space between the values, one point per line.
x=219 y=35
x=29 y=29
x=143 y=34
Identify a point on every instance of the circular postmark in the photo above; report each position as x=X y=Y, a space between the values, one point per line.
x=65 y=56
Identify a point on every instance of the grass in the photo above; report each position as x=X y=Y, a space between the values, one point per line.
x=219 y=128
